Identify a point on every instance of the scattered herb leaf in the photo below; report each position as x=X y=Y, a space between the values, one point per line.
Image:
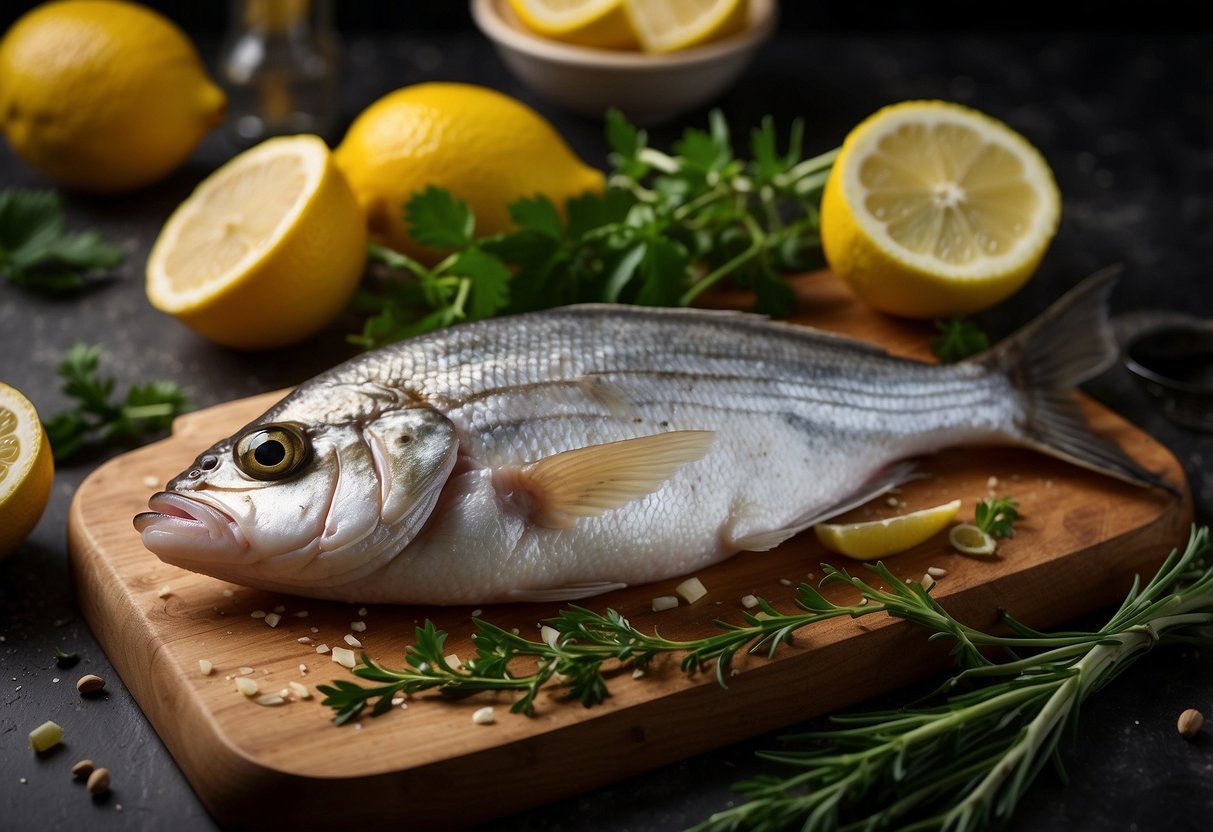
x=146 y=408
x=666 y=229
x=36 y=251
x=65 y=660
x=958 y=339
x=995 y=517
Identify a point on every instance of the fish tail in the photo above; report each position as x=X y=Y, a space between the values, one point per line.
x=1069 y=343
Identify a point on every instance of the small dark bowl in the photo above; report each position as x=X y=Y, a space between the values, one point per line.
x=1175 y=366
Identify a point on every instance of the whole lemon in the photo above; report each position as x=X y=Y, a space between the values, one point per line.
x=103 y=96
x=484 y=147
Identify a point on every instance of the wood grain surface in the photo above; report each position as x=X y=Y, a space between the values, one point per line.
x=1082 y=538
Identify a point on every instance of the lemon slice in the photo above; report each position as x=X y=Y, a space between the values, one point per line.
x=881 y=538
x=26 y=469
x=670 y=25
x=933 y=209
x=266 y=251
x=970 y=540
x=598 y=23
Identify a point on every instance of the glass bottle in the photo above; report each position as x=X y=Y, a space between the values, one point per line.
x=279 y=65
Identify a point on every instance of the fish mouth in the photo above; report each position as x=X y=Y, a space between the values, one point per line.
x=181 y=528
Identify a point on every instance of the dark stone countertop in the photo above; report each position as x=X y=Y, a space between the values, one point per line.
x=1126 y=123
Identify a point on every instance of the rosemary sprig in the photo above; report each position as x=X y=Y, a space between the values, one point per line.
x=967 y=762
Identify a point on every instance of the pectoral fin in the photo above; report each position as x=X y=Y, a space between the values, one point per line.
x=586 y=482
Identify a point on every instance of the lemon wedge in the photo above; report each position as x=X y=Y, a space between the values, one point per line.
x=266 y=251
x=933 y=209
x=881 y=538
x=598 y=23
x=671 y=25
x=27 y=469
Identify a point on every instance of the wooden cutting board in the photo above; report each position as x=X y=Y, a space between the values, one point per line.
x=1082 y=538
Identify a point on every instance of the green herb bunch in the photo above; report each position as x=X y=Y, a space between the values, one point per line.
x=37 y=252
x=146 y=408
x=666 y=229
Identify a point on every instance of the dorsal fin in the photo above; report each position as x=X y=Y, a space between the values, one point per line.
x=585 y=482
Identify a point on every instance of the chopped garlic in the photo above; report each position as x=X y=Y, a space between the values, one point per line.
x=257 y=614
x=484 y=716
x=300 y=690
x=227 y=593
x=165 y=591
x=691 y=590
x=477 y=613
x=315 y=629
x=150 y=481
x=272 y=619
x=351 y=641
x=453 y=662
x=246 y=686
x=927 y=581
x=270 y=699
x=362 y=612
x=358 y=626
x=322 y=648
x=749 y=601
x=206 y=667
x=281 y=608
x=344 y=657
x=637 y=673
x=302 y=669
x=300 y=614
x=785 y=582
x=397 y=700
x=936 y=571
x=46 y=735
x=549 y=635
x=244 y=671
x=664 y=602
x=304 y=639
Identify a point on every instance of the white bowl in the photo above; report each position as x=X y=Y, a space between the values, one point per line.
x=647 y=88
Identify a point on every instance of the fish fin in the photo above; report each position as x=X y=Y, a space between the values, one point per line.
x=585 y=482
x=882 y=483
x=572 y=592
x=1069 y=343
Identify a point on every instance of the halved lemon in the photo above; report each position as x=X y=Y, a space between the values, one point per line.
x=598 y=23
x=670 y=25
x=933 y=209
x=891 y=536
x=27 y=469
x=266 y=251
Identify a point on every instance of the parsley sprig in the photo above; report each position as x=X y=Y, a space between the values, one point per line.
x=667 y=228
x=996 y=517
x=146 y=408
x=37 y=252
x=957 y=340
x=957 y=765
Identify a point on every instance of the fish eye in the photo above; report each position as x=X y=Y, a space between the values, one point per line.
x=271 y=452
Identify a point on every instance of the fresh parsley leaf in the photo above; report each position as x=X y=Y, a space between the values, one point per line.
x=437 y=218
x=490 y=282
x=147 y=408
x=537 y=214
x=995 y=517
x=958 y=339
x=36 y=252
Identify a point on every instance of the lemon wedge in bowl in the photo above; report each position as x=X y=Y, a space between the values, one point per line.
x=598 y=23
x=933 y=209
x=266 y=251
x=881 y=538
x=674 y=25
x=27 y=469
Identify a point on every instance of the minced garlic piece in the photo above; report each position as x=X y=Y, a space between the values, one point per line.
x=246 y=686
x=692 y=589
x=344 y=657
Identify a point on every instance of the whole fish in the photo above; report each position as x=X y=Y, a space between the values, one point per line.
x=560 y=454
